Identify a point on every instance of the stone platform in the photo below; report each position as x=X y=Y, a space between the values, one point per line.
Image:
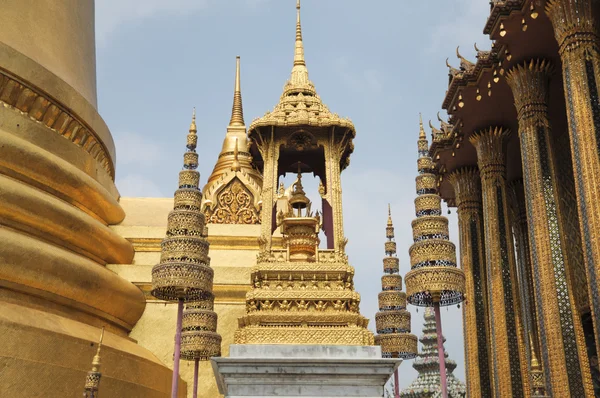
x=312 y=371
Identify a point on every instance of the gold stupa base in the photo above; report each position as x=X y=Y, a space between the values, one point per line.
x=320 y=335
x=46 y=355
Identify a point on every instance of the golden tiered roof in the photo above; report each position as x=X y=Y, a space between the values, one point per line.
x=434 y=276
x=234 y=175
x=300 y=105
x=302 y=295
x=393 y=320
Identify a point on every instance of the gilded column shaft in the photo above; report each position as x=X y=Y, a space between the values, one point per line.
x=508 y=351
x=525 y=276
x=269 y=151
x=576 y=32
x=467 y=189
x=334 y=191
x=563 y=354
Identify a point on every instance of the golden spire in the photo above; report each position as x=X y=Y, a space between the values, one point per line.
x=422 y=135
x=237 y=112
x=389 y=231
x=234 y=171
x=193 y=127
x=192 y=138
x=299 y=54
x=299 y=71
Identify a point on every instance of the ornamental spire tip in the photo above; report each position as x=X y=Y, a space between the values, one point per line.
x=299 y=53
x=237 y=110
x=193 y=127
x=421 y=129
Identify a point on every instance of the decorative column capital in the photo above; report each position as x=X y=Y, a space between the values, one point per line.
x=489 y=144
x=529 y=84
x=467 y=189
x=573 y=23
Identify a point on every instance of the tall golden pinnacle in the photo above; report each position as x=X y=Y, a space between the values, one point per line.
x=92 y=381
x=434 y=277
x=234 y=175
x=393 y=320
x=237 y=112
x=299 y=49
x=299 y=104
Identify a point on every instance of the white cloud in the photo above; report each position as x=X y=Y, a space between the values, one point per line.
x=110 y=14
x=138 y=186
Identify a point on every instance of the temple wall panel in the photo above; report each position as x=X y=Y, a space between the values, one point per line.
x=233 y=250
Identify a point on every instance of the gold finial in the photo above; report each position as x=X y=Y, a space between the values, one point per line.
x=299 y=53
x=192 y=137
x=96 y=361
x=237 y=112
x=421 y=129
x=92 y=380
x=193 y=128
x=389 y=222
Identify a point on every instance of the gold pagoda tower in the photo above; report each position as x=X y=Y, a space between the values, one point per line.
x=520 y=159
x=302 y=294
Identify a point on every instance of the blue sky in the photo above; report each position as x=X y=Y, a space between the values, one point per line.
x=379 y=62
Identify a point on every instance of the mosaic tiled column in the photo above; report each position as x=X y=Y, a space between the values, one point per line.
x=509 y=362
x=563 y=345
x=467 y=192
x=518 y=214
x=577 y=35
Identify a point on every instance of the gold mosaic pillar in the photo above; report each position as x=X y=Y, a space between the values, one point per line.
x=509 y=363
x=563 y=345
x=467 y=190
x=518 y=214
x=577 y=36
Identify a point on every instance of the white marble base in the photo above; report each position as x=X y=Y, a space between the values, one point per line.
x=310 y=371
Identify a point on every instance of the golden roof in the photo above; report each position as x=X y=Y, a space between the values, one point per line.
x=300 y=105
x=234 y=173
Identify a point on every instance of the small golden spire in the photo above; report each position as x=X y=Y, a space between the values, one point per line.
x=237 y=112
x=96 y=361
x=421 y=129
x=299 y=54
x=192 y=137
x=92 y=381
x=193 y=128
x=389 y=222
